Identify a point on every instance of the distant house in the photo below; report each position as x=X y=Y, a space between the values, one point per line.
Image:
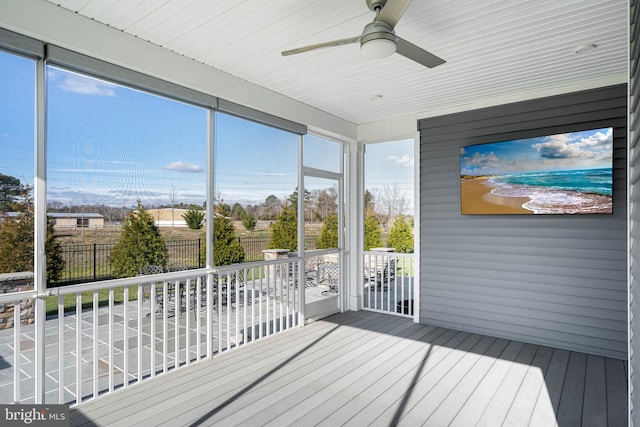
x=77 y=220
x=168 y=217
x=70 y=219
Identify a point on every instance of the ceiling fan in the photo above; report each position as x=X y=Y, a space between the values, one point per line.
x=378 y=39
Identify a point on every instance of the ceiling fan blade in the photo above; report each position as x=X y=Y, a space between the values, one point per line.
x=321 y=45
x=393 y=11
x=415 y=53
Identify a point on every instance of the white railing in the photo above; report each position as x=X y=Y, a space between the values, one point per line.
x=111 y=334
x=389 y=282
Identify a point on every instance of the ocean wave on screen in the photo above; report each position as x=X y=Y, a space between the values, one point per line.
x=551 y=201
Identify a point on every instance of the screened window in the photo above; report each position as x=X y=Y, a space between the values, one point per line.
x=389 y=192
x=115 y=151
x=17 y=143
x=256 y=175
x=321 y=153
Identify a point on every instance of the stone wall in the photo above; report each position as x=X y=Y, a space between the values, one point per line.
x=16 y=282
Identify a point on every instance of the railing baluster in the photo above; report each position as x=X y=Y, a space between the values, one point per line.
x=165 y=324
x=60 y=349
x=260 y=327
x=187 y=304
x=111 y=364
x=237 y=295
x=152 y=329
x=229 y=309
x=125 y=326
x=140 y=348
x=16 y=351
x=198 y=313
x=95 y=344
x=177 y=307
x=78 y=348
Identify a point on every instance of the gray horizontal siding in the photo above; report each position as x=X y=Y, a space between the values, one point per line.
x=557 y=280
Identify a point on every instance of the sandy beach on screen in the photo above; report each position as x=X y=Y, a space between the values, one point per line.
x=477 y=199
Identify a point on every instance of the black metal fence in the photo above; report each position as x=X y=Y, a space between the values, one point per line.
x=91 y=262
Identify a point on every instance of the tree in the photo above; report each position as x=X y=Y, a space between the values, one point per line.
x=16 y=241
x=140 y=244
x=328 y=237
x=249 y=221
x=284 y=232
x=227 y=249
x=372 y=232
x=10 y=192
x=325 y=203
x=271 y=207
x=391 y=202
x=237 y=212
x=401 y=235
x=194 y=218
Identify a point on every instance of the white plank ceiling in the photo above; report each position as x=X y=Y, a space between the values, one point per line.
x=495 y=49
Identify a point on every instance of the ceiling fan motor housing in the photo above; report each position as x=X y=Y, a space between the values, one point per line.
x=378 y=40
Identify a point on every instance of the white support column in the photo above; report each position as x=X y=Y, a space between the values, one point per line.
x=210 y=191
x=301 y=263
x=416 y=228
x=356 y=223
x=40 y=233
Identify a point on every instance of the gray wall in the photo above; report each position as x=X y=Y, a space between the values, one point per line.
x=634 y=214
x=557 y=280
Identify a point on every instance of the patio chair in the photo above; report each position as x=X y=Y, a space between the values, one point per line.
x=181 y=266
x=379 y=271
x=159 y=294
x=328 y=273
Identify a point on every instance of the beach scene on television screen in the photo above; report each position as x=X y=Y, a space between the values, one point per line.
x=568 y=173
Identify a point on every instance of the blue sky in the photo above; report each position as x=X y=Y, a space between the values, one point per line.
x=588 y=149
x=107 y=144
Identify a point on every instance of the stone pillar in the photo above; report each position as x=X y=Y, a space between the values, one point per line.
x=273 y=254
x=16 y=282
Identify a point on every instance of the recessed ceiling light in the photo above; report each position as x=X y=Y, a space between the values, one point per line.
x=585 y=48
x=375 y=97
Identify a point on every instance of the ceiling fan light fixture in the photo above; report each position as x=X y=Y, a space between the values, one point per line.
x=378 y=48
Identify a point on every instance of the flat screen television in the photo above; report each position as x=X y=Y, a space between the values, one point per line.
x=568 y=173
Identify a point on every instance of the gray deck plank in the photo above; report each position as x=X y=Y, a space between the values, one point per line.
x=617 y=414
x=470 y=414
x=497 y=409
x=524 y=403
x=238 y=374
x=437 y=363
x=297 y=386
x=318 y=395
x=570 y=410
x=346 y=404
x=373 y=369
x=544 y=413
x=455 y=400
x=440 y=375
x=594 y=407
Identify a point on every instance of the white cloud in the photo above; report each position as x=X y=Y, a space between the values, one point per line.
x=482 y=160
x=564 y=147
x=406 y=160
x=86 y=86
x=181 y=166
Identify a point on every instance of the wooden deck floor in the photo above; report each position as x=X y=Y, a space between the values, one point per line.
x=366 y=368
